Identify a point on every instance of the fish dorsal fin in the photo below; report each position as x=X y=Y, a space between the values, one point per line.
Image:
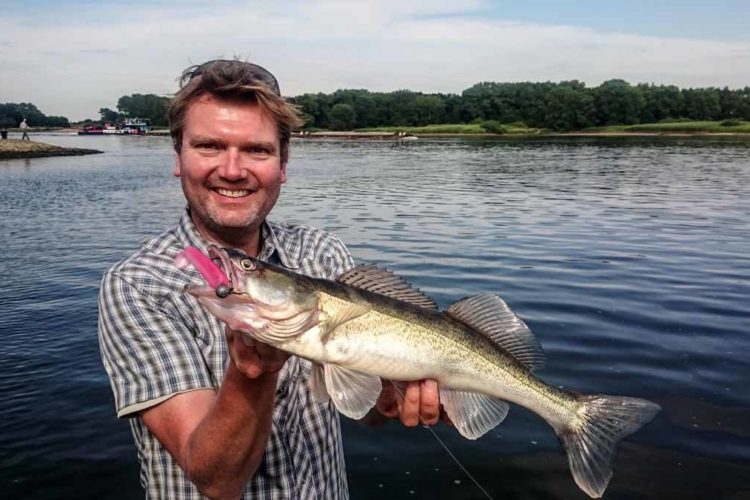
x=490 y=315
x=379 y=280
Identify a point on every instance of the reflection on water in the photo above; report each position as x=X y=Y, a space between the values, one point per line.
x=627 y=258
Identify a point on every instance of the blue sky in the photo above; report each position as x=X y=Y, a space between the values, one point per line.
x=73 y=57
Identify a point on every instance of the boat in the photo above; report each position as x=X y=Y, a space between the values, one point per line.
x=135 y=126
x=129 y=126
x=91 y=130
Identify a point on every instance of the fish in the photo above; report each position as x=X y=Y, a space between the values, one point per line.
x=371 y=325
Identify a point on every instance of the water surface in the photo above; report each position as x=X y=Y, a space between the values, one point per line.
x=627 y=258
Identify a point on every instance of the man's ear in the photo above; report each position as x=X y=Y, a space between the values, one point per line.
x=177 y=171
x=282 y=172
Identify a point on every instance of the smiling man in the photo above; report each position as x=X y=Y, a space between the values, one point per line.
x=211 y=413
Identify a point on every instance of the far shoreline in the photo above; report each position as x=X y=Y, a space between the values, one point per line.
x=394 y=136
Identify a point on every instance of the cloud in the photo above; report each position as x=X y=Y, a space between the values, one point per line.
x=81 y=63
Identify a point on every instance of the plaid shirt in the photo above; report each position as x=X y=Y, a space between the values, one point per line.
x=157 y=341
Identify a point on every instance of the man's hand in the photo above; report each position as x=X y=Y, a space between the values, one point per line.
x=411 y=402
x=253 y=359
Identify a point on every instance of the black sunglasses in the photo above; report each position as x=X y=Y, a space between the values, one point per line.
x=257 y=72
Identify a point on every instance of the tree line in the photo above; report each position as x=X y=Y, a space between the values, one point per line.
x=11 y=115
x=563 y=106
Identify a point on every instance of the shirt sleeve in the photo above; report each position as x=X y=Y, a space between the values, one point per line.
x=149 y=352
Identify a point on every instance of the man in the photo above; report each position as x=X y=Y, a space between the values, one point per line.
x=25 y=129
x=210 y=414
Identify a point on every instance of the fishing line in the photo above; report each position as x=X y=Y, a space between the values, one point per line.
x=445 y=447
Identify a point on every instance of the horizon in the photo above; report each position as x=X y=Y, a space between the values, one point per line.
x=96 y=51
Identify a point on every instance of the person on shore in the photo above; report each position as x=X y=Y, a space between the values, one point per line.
x=25 y=129
x=212 y=413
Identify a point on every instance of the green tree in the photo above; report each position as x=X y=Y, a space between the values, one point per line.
x=661 y=102
x=11 y=115
x=616 y=103
x=57 y=121
x=109 y=115
x=149 y=106
x=702 y=104
x=342 y=117
x=365 y=108
x=734 y=103
x=428 y=109
x=568 y=108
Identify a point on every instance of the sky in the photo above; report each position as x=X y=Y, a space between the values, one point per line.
x=73 y=57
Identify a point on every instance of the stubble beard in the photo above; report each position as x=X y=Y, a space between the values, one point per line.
x=229 y=227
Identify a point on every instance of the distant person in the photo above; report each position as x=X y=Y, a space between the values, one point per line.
x=25 y=128
x=210 y=414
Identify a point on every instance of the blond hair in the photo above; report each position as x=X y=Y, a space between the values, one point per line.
x=237 y=81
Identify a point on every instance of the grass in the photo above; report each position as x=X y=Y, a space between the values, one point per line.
x=448 y=128
x=713 y=127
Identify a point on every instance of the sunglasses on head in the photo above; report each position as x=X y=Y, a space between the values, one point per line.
x=257 y=72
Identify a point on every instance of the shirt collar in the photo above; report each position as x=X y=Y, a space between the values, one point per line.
x=271 y=250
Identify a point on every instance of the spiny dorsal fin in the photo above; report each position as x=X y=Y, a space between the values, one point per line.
x=490 y=315
x=382 y=281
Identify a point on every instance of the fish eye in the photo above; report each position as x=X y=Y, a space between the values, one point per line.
x=247 y=265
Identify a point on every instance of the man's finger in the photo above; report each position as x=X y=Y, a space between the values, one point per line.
x=410 y=406
x=429 y=407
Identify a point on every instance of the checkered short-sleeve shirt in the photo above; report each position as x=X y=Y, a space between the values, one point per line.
x=156 y=341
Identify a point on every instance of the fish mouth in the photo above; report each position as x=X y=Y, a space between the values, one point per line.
x=221 y=259
x=215 y=269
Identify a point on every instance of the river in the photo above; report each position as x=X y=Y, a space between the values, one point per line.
x=628 y=258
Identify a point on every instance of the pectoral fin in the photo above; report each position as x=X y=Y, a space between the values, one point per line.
x=318 y=383
x=473 y=414
x=354 y=393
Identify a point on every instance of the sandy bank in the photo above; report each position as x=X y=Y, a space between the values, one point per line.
x=14 y=148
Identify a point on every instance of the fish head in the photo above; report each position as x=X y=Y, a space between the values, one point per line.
x=262 y=300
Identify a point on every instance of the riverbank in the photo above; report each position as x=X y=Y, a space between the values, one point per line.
x=15 y=148
x=519 y=129
x=394 y=136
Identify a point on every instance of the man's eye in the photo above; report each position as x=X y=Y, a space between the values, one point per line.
x=259 y=151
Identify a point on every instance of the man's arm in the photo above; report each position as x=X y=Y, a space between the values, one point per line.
x=218 y=438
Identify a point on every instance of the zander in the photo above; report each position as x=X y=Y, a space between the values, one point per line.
x=370 y=324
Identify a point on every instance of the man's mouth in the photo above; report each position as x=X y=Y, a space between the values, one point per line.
x=233 y=193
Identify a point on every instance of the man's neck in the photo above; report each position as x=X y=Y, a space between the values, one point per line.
x=246 y=239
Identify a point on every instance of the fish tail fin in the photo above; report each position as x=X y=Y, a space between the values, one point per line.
x=591 y=438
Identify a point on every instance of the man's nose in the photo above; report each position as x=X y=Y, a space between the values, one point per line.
x=231 y=167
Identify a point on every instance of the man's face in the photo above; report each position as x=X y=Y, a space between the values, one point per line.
x=229 y=165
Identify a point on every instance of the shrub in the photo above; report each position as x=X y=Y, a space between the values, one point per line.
x=731 y=122
x=494 y=127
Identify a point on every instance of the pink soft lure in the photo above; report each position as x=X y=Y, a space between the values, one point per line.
x=212 y=274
